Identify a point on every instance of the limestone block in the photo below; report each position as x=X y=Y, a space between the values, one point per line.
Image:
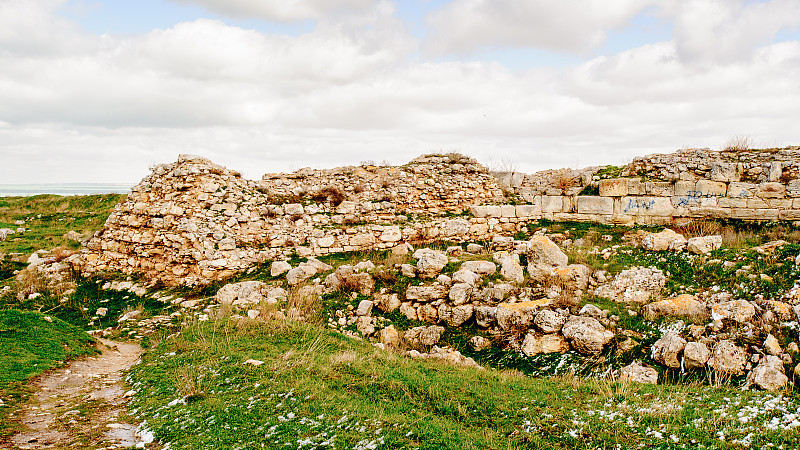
x=493 y=211
x=755 y=214
x=326 y=241
x=695 y=355
x=508 y=211
x=535 y=344
x=666 y=350
x=391 y=234
x=637 y=373
x=528 y=211
x=727 y=357
x=685 y=188
x=635 y=186
x=727 y=202
x=655 y=206
x=741 y=190
x=789 y=214
x=479 y=211
x=706 y=188
x=726 y=172
x=775 y=171
x=552 y=204
x=613 y=187
x=771 y=190
x=659 y=188
x=595 y=205
x=293 y=209
x=793 y=188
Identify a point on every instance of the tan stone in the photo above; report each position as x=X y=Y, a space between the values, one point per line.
x=613 y=187
x=535 y=344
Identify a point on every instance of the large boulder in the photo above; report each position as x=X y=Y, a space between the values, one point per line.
x=430 y=262
x=480 y=267
x=549 y=321
x=587 y=334
x=426 y=292
x=740 y=311
x=455 y=316
x=636 y=284
x=664 y=240
x=728 y=358
x=638 y=373
x=460 y=293
x=421 y=337
x=543 y=251
x=684 y=305
x=667 y=350
x=704 y=244
x=769 y=374
x=511 y=270
x=535 y=344
x=246 y=292
x=695 y=355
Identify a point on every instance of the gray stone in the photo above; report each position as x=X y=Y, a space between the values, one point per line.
x=704 y=244
x=637 y=373
x=595 y=205
x=543 y=251
x=695 y=355
x=460 y=293
x=740 y=311
x=479 y=267
x=455 y=316
x=769 y=374
x=587 y=335
x=485 y=315
x=364 y=308
x=549 y=321
x=421 y=337
x=430 y=262
x=426 y=292
x=728 y=358
x=667 y=350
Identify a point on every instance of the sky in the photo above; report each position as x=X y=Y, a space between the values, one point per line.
x=101 y=90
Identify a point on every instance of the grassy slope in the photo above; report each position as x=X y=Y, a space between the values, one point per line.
x=30 y=346
x=318 y=389
x=49 y=217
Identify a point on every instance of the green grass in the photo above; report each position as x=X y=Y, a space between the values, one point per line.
x=318 y=389
x=49 y=217
x=32 y=345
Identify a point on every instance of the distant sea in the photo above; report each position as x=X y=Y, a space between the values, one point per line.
x=24 y=190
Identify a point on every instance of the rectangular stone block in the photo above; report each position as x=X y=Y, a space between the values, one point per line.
x=727 y=202
x=789 y=214
x=721 y=171
x=755 y=214
x=508 y=211
x=528 y=211
x=653 y=206
x=741 y=190
x=613 y=187
x=635 y=186
x=708 y=188
x=552 y=203
x=595 y=205
x=793 y=188
x=659 y=188
x=771 y=190
x=479 y=211
x=684 y=188
x=528 y=194
x=493 y=211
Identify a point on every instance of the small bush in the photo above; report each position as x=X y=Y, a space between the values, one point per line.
x=330 y=194
x=738 y=144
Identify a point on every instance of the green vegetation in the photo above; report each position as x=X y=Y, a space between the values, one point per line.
x=319 y=389
x=49 y=217
x=32 y=343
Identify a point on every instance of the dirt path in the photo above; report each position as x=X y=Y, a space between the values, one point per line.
x=82 y=405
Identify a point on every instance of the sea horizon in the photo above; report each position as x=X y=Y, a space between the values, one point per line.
x=25 y=190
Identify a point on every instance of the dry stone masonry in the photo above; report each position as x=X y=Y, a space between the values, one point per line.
x=192 y=222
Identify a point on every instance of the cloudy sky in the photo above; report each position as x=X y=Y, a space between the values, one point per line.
x=99 y=90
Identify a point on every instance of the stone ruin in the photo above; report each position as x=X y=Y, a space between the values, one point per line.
x=193 y=222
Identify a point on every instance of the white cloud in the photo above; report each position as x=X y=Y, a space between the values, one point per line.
x=576 y=26
x=711 y=32
x=283 y=10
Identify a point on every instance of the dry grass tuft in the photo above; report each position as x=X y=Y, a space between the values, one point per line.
x=738 y=144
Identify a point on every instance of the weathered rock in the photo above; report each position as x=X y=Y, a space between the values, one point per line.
x=772 y=346
x=460 y=293
x=586 y=334
x=278 y=268
x=667 y=350
x=455 y=316
x=543 y=251
x=695 y=355
x=409 y=311
x=684 y=305
x=474 y=248
x=549 y=321
x=511 y=270
x=421 y=337
x=485 y=315
x=480 y=343
x=535 y=344
x=769 y=374
x=515 y=315
x=428 y=313
x=390 y=338
x=728 y=358
x=427 y=292
x=704 y=244
x=466 y=276
x=387 y=302
x=364 y=308
x=664 y=240
x=740 y=311
x=430 y=262
x=480 y=267
x=637 y=373
x=573 y=276
x=636 y=284
x=241 y=293
x=589 y=310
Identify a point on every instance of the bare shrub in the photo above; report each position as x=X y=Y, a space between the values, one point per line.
x=738 y=144
x=330 y=194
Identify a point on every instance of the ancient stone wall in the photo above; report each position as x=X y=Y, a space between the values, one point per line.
x=193 y=222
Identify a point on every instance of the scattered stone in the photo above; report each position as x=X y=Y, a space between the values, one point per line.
x=387 y=302
x=278 y=268
x=740 y=311
x=455 y=316
x=549 y=321
x=364 y=308
x=535 y=344
x=543 y=251
x=637 y=373
x=586 y=334
x=728 y=358
x=769 y=374
x=430 y=262
x=636 y=284
x=772 y=346
x=704 y=244
x=420 y=337
x=479 y=342
x=426 y=292
x=480 y=267
x=460 y=293
x=695 y=355
x=390 y=338
x=684 y=305
x=253 y=362
x=667 y=350
x=664 y=240
x=474 y=248
x=466 y=276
